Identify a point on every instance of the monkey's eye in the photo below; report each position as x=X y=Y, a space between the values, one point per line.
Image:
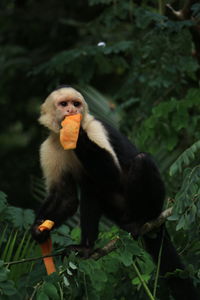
x=63 y=103
x=77 y=104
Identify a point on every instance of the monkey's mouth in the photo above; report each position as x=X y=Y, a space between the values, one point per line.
x=71 y=114
x=62 y=119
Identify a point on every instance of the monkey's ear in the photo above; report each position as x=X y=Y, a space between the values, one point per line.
x=43 y=111
x=47 y=117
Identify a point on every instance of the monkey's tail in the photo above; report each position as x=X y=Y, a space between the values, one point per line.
x=181 y=288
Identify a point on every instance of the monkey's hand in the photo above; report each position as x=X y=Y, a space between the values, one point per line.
x=37 y=234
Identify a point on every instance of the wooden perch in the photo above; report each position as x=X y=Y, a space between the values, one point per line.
x=146 y=228
x=149 y=226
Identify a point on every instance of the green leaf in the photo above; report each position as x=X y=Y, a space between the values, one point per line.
x=50 y=290
x=66 y=281
x=3 y=275
x=75 y=234
x=1 y=263
x=126 y=258
x=8 y=288
x=3 y=205
x=185 y=158
x=21 y=218
x=193 y=212
x=87 y=266
x=42 y=296
x=64 y=230
x=72 y=265
x=137 y=281
x=173 y=217
x=180 y=223
x=69 y=272
x=98 y=277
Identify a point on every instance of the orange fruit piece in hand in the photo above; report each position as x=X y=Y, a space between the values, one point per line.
x=70 y=131
x=46 y=247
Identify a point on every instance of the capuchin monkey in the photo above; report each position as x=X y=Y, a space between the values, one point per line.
x=116 y=180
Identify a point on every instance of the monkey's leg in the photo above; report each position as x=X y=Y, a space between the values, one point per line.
x=90 y=214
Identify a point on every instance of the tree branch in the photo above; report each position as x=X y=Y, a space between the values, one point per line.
x=146 y=228
x=186 y=14
x=25 y=260
x=150 y=226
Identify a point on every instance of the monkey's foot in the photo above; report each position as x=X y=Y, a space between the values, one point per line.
x=82 y=251
x=134 y=228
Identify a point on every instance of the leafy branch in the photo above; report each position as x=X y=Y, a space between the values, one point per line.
x=185 y=158
x=110 y=246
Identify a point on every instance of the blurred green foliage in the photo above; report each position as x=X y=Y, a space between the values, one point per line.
x=133 y=62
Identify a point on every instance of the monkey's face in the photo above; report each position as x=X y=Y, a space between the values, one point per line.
x=67 y=106
x=59 y=104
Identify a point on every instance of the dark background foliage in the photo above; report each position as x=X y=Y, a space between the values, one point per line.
x=138 y=65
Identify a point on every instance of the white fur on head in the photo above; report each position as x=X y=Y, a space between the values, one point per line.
x=48 y=108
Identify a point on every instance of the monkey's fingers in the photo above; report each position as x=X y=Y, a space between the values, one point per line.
x=41 y=230
x=39 y=236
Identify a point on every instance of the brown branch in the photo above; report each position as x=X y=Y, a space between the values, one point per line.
x=24 y=260
x=177 y=13
x=111 y=245
x=150 y=226
x=146 y=228
x=186 y=14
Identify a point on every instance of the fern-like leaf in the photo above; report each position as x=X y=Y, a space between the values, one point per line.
x=186 y=210
x=20 y=218
x=100 y=105
x=185 y=158
x=3 y=205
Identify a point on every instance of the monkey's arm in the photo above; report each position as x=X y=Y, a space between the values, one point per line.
x=61 y=203
x=98 y=160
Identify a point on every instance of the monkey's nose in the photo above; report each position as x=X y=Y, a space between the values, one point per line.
x=71 y=111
